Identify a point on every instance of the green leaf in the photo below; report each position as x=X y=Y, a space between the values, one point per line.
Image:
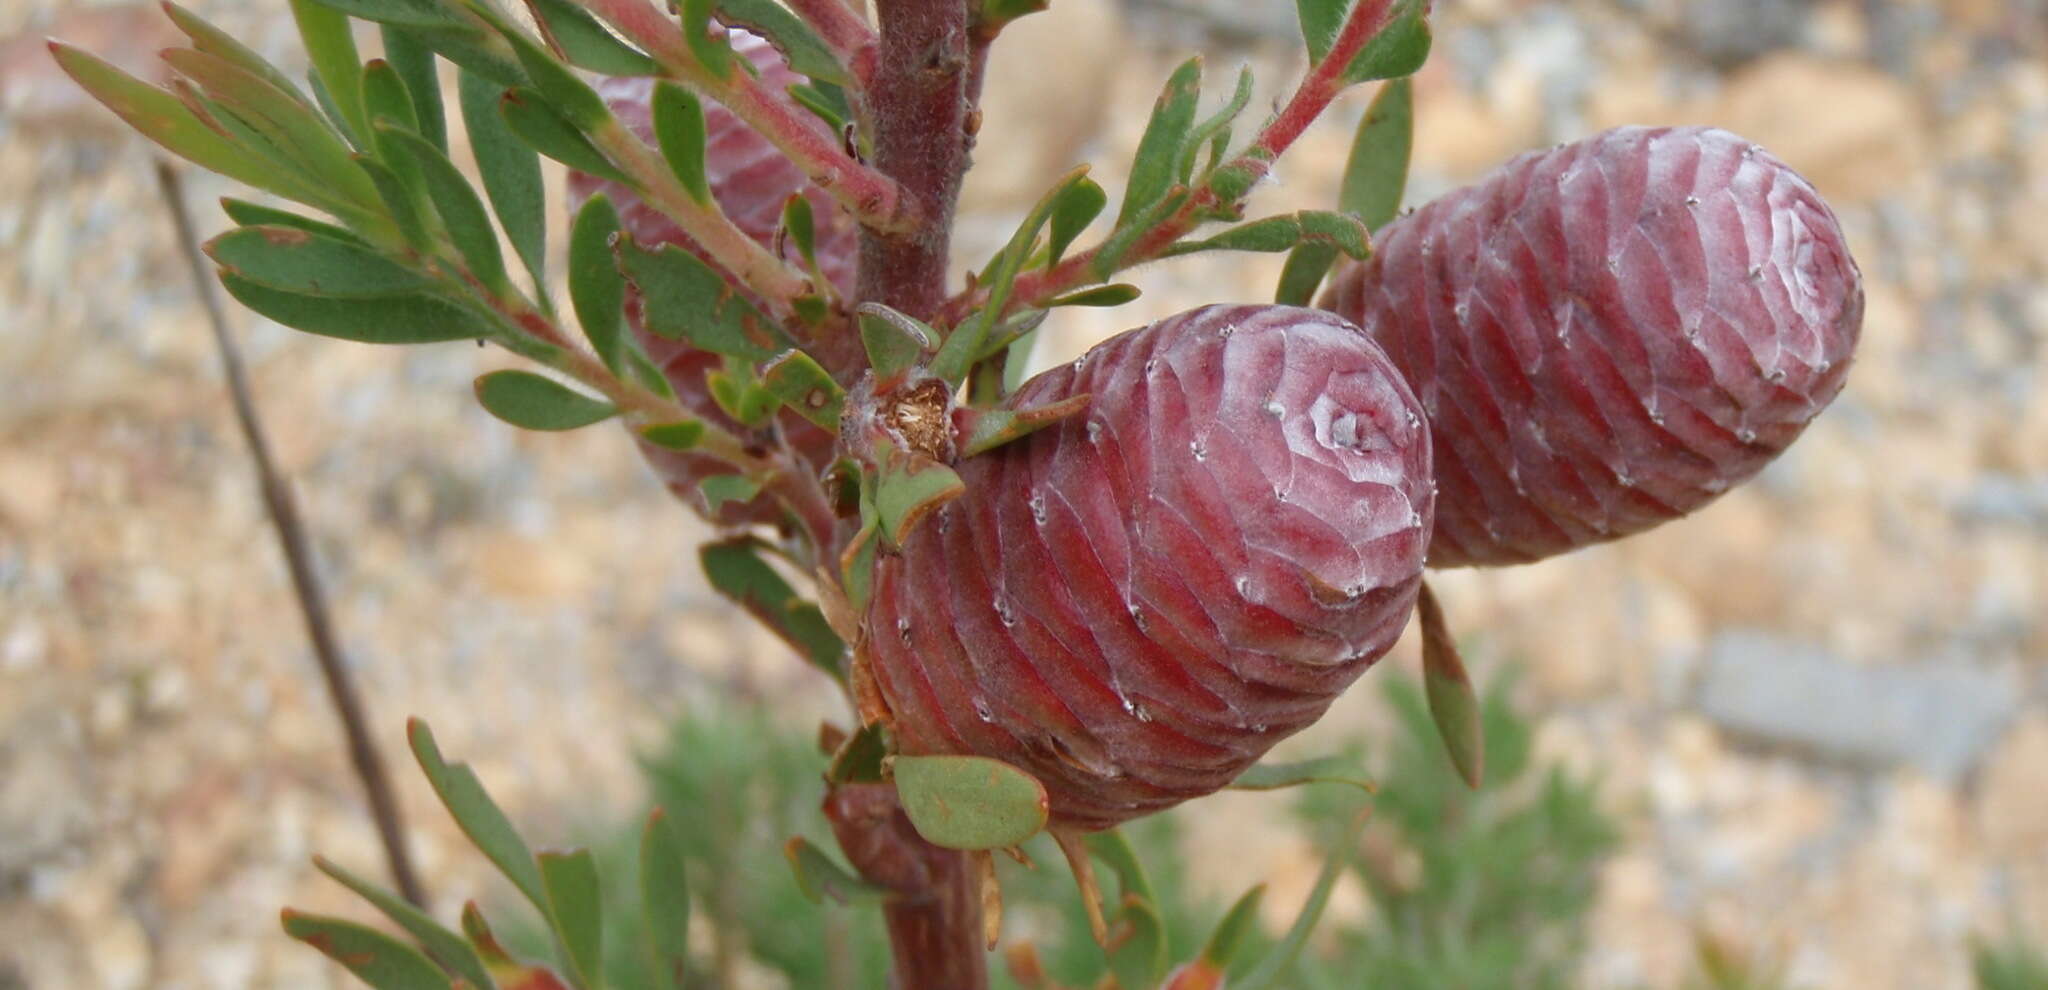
x=909 y=487
x=478 y=816
x=1452 y=705
x=1327 y=769
x=407 y=319
x=1283 y=955
x=509 y=972
x=418 y=13
x=1399 y=49
x=415 y=64
x=596 y=289
x=1115 y=294
x=214 y=41
x=1152 y=171
x=894 y=340
x=531 y=402
x=289 y=259
x=1229 y=934
x=682 y=435
x=797 y=223
x=679 y=131
x=806 y=387
x=712 y=51
x=737 y=570
x=331 y=47
x=828 y=103
x=1076 y=206
x=385 y=96
x=819 y=877
x=1304 y=270
x=576 y=911
x=740 y=395
x=687 y=300
x=1109 y=258
x=402 y=200
x=585 y=41
x=541 y=128
x=461 y=209
x=1342 y=231
x=1139 y=934
x=511 y=176
x=440 y=943
x=800 y=46
x=566 y=92
x=1376 y=174
x=970 y=802
x=860 y=759
x=1320 y=21
x=375 y=958
x=476 y=49
x=166 y=120
x=988 y=429
x=857 y=566
x=1216 y=126
x=722 y=488
x=282 y=119
x=958 y=354
x=250 y=214
x=665 y=899
x=991 y=16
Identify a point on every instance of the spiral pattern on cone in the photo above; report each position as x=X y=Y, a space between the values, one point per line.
x=1135 y=604
x=1609 y=334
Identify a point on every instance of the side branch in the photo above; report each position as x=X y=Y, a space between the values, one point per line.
x=935 y=931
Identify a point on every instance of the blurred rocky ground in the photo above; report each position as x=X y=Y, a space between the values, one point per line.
x=1820 y=707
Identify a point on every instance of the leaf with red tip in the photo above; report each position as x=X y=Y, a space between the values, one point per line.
x=1452 y=704
x=290 y=259
x=510 y=973
x=212 y=40
x=979 y=431
x=444 y=945
x=970 y=802
x=374 y=957
x=819 y=877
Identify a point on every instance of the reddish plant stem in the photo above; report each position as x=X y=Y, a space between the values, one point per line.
x=935 y=918
x=920 y=104
x=298 y=555
x=1322 y=85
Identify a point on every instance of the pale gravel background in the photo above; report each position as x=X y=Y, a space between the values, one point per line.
x=167 y=762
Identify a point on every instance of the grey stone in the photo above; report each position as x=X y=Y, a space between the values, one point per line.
x=1937 y=715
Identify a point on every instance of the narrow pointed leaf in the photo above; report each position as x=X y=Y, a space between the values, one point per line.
x=987 y=429
x=510 y=973
x=679 y=131
x=687 y=300
x=1452 y=705
x=283 y=119
x=566 y=92
x=476 y=49
x=1115 y=294
x=461 y=209
x=331 y=47
x=532 y=402
x=385 y=95
x=828 y=103
x=681 y=435
x=970 y=802
x=407 y=319
x=819 y=876
x=1152 y=171
x=1399 y=49
x=511 y=175
x=415 y=64
x=214 y=41
x=1109 y=258
x=1214 y=125
x=442 y=944
x=375 y=958
x=805 y=386
x=1076 y=207
x=420 y=13
x=479 y=817
x=722 y=488
x=737 y=570
x=596 y=289
x=710 y=49
x=798 y=225
x=1304 y=270
x=965 y=345
x=1270 y=968
x=800 y=46
x=894 y=340
x=541 y=128
x=665 y=899
x=250 y=214
x=1328 y=769
x=586 y=42
x=402 y=201
x=1376 y=174
x=1320 y=21
x=1229 y=934
x=857 y=567
x=1139 y=934
x=292 y=260
x=576 y=911
x=166 y=120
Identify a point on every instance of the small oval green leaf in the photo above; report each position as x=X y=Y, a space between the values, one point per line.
x=970 y=802
x=531 y=402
